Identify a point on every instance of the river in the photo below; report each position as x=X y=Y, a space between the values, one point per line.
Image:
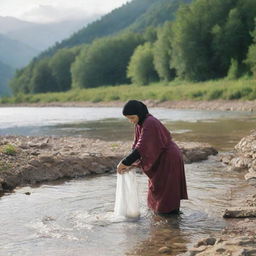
x=71 y=218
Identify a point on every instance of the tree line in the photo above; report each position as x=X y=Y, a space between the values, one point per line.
x=209 y=39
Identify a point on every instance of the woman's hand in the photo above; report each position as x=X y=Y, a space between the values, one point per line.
x=121 y=168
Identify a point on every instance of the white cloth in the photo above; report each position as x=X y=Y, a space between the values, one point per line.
x=127 y=198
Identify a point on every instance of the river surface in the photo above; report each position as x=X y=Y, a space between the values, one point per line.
x=74 y=218
x=222 y=129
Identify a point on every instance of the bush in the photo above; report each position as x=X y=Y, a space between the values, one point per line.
x=233 y=72
x=215 y=94
x=240 y=93
x=8 y=149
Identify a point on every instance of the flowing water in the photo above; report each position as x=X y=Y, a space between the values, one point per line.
x=72 y=218
x=222 y=129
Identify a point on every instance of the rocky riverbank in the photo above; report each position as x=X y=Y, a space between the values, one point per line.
x=30 y=160
x=239 y=237
x=223 y=105
x=243 y=158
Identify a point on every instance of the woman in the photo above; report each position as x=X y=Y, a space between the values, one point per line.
x=158 y=156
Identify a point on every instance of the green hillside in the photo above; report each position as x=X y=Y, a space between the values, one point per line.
x=15 y=53
x=135 y=15
x=157 y=14
x=6 y=74
x=147 y=41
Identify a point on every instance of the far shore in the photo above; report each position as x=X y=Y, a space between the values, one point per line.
x=221 y=105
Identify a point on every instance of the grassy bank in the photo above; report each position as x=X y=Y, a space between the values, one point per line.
x=210 y=90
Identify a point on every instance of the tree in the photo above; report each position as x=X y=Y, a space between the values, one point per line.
x=227 y=42
x=141 y=68
x=21 y=83
x=162 y=53
x=150 y=34
x=233 y=72
x=192 y=37
x=77 y=68
x=232 y=39
x=105 y=61
x=60 y=65
x=251 y=55
x=42 y=78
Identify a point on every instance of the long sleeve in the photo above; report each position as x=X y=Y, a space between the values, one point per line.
x=130 y=159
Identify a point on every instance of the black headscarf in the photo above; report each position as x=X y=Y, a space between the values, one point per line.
x=135 y=107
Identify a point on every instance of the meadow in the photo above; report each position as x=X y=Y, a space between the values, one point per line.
x=243 y=89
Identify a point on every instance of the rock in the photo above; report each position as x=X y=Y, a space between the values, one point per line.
x=24 y=146
x=220 y=250
x=34 y=162
x=244 y=157
x=251 y=177
x=240 y=212
x=35 y=153
x=226 y=157
x=247 y=242
x=195 y=251
x=206 y=241
x=46 y=158
x=195 y=152
x=245 y=252
x=1 y=187
x=164 y=250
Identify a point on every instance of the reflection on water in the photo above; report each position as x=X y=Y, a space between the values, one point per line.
x=75 y=218
x=222 y=129
x=221 y=134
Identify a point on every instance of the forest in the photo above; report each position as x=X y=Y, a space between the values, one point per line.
x=175 y=40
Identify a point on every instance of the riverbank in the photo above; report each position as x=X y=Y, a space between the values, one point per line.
x=27 y=160
x=221 y=89
x=239 y=236
x=222 y=105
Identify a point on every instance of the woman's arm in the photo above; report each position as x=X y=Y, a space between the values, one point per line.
x=124 y=164
x=130 y=159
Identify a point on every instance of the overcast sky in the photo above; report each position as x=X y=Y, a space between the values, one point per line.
x=55 y=10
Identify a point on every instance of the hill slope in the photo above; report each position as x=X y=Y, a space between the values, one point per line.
x=40 y=36
x=135 y=15
x=6 y=74
x=15 y=53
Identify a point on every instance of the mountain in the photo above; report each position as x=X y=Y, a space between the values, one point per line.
x=157 y=14
x=41 y=36
x=135 y=15
x=120 y=24
x=14 y=53
x=6 y=73
x=8 y=24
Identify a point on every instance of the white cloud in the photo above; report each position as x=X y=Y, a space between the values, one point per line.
x=48 y=13
x=56 y=10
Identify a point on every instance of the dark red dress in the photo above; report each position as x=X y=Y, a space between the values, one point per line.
x=162 y=161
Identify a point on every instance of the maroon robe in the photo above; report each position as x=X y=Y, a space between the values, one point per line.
x=162 y=161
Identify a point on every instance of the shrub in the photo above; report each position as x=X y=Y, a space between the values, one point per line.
x=215 y=94
x=8 y=149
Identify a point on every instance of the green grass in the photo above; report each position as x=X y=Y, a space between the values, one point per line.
x=244 y=89
x=8 y=149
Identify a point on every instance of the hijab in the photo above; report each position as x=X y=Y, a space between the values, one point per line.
x=135 y=107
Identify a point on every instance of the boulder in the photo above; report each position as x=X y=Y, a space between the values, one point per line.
x=244 y=157
x=240 y=212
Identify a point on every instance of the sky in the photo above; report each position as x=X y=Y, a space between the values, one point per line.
x=44 y=11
